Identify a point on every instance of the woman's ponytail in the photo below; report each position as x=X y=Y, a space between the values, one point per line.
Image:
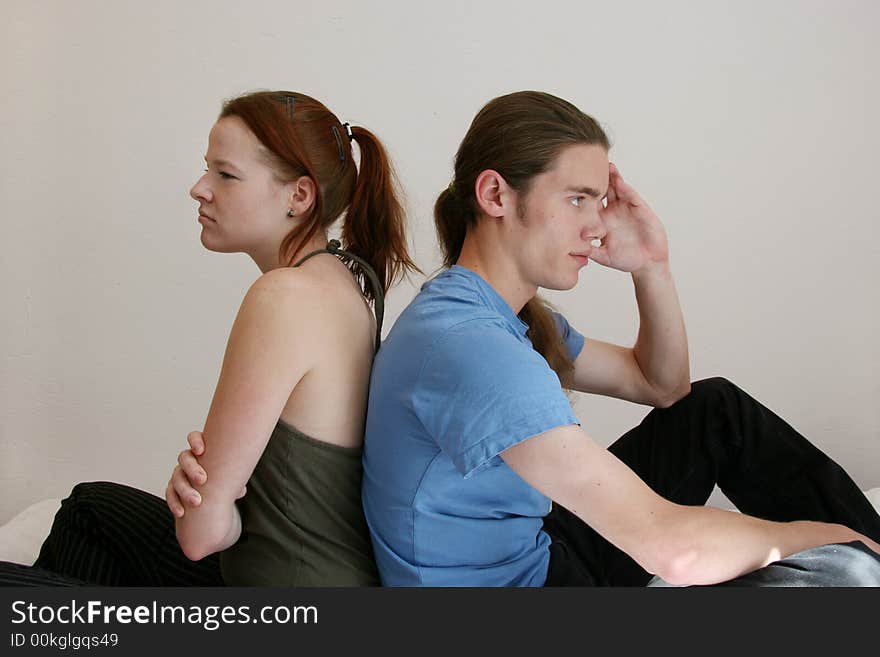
x=375 y=225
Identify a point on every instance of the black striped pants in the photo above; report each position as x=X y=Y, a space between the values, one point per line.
x=108 y=534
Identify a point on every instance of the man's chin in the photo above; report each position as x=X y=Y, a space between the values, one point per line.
x=561 y=285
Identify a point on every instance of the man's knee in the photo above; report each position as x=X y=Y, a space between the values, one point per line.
x=709 y=392
x=714 y=386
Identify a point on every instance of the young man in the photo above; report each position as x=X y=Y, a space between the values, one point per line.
x=470 y=434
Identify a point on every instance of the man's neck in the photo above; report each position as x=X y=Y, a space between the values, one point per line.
x=497 y=268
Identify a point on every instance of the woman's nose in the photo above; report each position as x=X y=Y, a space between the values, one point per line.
x=200 y=191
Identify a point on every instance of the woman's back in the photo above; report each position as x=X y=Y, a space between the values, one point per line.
x=329 y=402
x=302 y=519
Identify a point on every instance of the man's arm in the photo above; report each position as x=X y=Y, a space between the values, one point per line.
x=656 y=369
x=684 y=545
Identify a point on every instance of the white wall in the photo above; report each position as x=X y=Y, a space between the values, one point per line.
x=749 y=126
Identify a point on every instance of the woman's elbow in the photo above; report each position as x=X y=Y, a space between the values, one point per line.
x=195 y=548
x=199 y=542
x=196 y=552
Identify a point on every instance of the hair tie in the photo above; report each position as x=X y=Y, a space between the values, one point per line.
x=348 y=131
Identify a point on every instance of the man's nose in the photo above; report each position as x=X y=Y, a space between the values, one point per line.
x=594 y=228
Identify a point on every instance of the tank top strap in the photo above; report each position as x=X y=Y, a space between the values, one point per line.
x=335 y=247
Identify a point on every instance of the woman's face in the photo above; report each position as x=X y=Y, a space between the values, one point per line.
x=242 y=206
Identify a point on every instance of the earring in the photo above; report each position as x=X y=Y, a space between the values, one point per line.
x=290 y=213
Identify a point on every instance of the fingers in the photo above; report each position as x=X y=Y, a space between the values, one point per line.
x=173 y=501
x=871 y=544
x=599 y=255
x=184 y=488
x=612 y=194
x=621 y=189
x=196 y=442
x=191 y=467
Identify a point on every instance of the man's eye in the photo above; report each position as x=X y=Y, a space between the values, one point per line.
x=576 y=201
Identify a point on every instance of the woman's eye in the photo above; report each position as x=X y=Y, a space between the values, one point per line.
x=225 y=176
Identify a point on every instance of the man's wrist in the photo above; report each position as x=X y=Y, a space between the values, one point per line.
x=653 y=270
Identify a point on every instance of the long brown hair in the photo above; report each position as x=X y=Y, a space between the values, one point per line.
x=301 y=137
x=519 y=135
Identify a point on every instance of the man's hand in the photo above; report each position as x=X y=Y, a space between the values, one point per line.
x=187 y=474
x=636 y=238
x=873 y=545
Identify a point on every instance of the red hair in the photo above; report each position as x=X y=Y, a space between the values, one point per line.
x=301 y=137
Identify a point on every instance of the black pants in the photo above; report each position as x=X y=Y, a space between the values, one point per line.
x=720 y=435
x=108 y=534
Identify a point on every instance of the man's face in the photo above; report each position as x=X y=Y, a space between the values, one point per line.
x=560 y=217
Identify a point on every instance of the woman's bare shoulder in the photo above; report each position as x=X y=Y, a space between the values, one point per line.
x=307 y=296
x=294 y=288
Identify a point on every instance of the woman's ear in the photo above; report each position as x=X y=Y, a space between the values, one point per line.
x=493 y=194
x=302 y=193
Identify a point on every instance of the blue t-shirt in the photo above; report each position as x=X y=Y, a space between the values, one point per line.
x=455 y=384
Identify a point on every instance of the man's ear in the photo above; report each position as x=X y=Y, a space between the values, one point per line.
x=302 y=193
x=493 y=193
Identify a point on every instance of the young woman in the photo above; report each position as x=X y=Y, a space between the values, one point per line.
x=287 y=419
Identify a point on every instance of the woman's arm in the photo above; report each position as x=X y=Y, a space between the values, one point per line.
x=267 y=354
x=188 y=473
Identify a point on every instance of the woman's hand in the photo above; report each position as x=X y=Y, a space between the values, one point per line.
x=187 y=474
x=635 y=237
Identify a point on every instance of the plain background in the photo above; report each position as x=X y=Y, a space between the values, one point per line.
x=750 y=127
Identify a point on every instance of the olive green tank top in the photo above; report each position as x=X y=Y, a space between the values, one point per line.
x=302 y=519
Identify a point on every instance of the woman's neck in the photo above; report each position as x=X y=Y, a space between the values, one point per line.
x=271 y=259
